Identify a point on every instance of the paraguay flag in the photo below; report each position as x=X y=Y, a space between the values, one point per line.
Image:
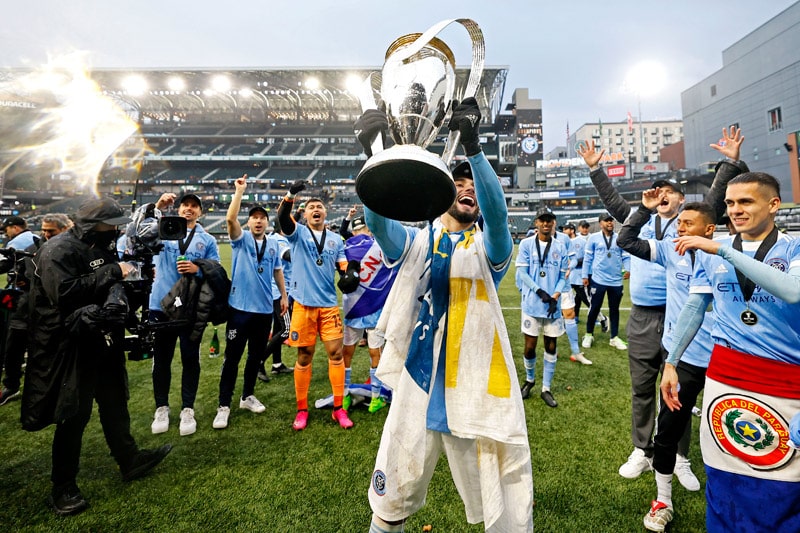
x=753 y=475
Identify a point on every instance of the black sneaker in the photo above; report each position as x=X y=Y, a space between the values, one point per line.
x=263 y=376
x=526 y=389
x=547 y=396
x=143 y=462
x=67 y=501
x=282 y=369
x=8 y=395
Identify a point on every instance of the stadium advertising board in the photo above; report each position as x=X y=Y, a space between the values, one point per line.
x=529 y=135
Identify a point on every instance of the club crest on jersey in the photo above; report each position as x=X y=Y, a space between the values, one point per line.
x=527 y=323
x=379 y=482
x=750 y=429
x=778 y=263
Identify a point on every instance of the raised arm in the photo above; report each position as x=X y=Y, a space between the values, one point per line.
x=232 y=216
x=492 y=202
x=727 y=169
x=628 y=238
x=612 y=200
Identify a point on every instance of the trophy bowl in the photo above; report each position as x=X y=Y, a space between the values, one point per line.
x=407 y=181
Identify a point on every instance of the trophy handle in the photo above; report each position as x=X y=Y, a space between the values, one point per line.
x=366 y=96
x=475 y=73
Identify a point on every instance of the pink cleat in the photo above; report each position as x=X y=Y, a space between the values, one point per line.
x=300 y=421
x=340 y=415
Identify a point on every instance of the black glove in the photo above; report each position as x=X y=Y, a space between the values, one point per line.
x=466 y=118
x=368 y=126
x=297 y=186
x=543 y=295
x=552 y=307
x=348 y=282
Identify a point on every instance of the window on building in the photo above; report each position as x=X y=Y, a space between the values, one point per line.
x=775 y=119
x=713 y=90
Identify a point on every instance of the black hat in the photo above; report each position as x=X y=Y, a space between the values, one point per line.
x=358 y=223
x=13 y=221
x=462 y=170
x=569 y=225
x=105 y=210
x=544 y=212
x=605 y=216
x=257 y=209
x=191 y=196
x=668 y=183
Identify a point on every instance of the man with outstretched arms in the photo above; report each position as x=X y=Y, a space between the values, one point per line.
x=696 y=218
x=447 y=356
x=316 y=256
x=542 y=264
x=255 y=265
x=751 y=391
x=649 y=298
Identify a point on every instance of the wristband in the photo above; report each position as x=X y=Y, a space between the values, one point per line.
x=289 y=197
x=596 y=167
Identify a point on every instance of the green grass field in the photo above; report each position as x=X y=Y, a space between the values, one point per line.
x=259 y=475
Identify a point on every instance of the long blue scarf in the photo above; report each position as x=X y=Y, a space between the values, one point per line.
x=435 y=302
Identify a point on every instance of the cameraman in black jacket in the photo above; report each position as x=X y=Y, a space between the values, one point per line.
x=76 y=355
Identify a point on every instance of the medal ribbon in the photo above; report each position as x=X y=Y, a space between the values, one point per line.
x=746 y=284
x=659 y=232
x=320 y=244
x=183 y=244
x=608 y=242
x=542 y=259
x=260 y=253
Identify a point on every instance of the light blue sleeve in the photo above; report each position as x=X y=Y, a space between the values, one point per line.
x=492 y=202
x=390 y=234
x=626 y=261
x=783 y=285
x=523 y=278
x=588 y=257
x=689 y=322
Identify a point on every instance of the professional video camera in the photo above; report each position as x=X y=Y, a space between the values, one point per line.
x=144 y=236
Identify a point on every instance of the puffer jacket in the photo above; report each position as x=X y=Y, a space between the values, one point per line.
x=197 y=300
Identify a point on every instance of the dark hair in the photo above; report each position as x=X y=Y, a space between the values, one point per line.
x=761 y=178
x=315 y=200
x=583 y=224
x=705 y=210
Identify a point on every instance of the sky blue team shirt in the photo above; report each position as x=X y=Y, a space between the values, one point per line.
x=314 y=285
x=251 y=290
x=776 y=334
x=577 y=246
x=283 y=245
x=21 y=241
x=554 y=266
x=603 y=269
x=647 y=285
x=679 y=272
x=203 y=246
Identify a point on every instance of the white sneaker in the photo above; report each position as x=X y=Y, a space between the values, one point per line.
x=659 y=516
x=221 y=420
x=618 y=343
x=588 y=339
x=579 y=358
x=188 y=423
x=637 y=464
x=160 y=420
x=251 y=403
x=683 y=469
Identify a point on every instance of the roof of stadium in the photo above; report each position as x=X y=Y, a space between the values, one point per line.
x=312 y=92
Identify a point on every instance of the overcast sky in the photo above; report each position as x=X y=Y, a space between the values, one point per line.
x=575 y=55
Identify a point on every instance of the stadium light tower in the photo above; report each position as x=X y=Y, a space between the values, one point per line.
x=312 y=83
x=644 y=79
x=220 y=84
x=176 y=84
x=135 y=85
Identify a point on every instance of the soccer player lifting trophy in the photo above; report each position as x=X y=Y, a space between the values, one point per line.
x=407 y=182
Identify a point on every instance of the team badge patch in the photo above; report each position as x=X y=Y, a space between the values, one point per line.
x=527 y=324
x=778 y=263
x=379 y=482
x=295 y=336
x=751 y=430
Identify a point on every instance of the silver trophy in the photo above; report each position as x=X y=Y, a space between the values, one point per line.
x=407 y=182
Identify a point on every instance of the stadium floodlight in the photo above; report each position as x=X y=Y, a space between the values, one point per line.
x=135 y=85
x=353 y=83
x=221 y=83
x=246 y=92
x=176 y=83
x=312 y=83
x=645 y=79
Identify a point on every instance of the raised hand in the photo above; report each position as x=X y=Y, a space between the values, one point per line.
x=297 y=186
x=589 y=154
x=730 y=143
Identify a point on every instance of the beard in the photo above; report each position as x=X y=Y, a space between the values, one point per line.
x=462 y=217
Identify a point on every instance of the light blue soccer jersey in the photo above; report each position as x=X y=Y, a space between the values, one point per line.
x=554 y=266
x=251 y=278
x=647 y=284
x=776 y=334
x=604 y=270
x=577 y=246
x=313 y=285
x=678 y=270
x=283 y=245
x=21 y=241
x=202 y=246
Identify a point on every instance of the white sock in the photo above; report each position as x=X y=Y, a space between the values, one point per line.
x=664 y=485
x=379 y=526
